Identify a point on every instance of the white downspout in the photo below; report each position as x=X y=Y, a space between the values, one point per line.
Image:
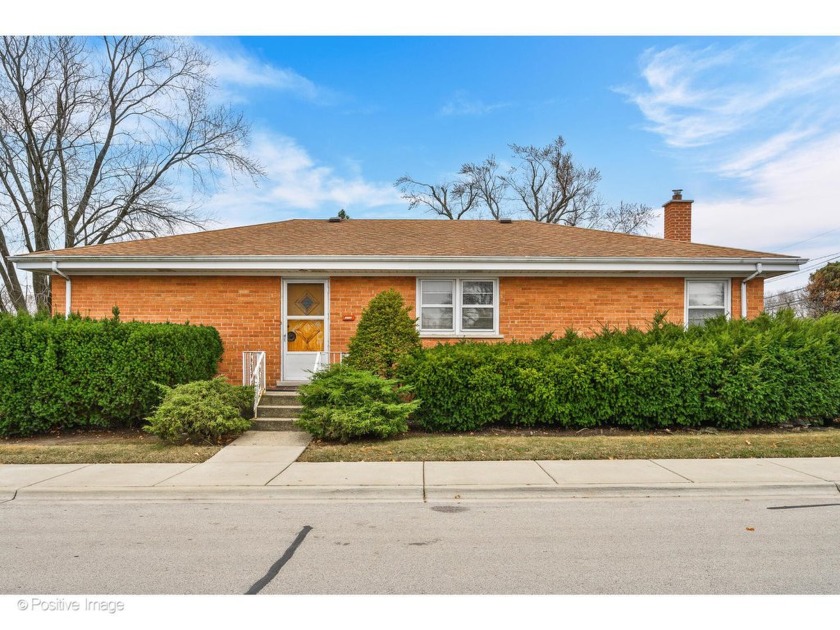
x=744 y=289
x=68 y=288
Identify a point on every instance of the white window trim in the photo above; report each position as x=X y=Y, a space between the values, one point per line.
x=727 y=296
x=457 y=299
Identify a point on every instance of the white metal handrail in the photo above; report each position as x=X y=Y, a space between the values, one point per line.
x=325 y=359
x=253 y=373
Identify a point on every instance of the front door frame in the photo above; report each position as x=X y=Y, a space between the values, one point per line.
x=284 y=316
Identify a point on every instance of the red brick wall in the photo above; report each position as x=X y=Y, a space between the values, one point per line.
x=349 y=295
x=678 y=221
x=530 y=307
x=755 y=297
x=244 y=309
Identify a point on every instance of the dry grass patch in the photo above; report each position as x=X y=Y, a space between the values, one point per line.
x=518 y=445
x=100 y=447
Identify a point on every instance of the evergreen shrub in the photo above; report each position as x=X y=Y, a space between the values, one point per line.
x=202 y=412
x=386 y=332
x=727 y=374
x=58 y=373
x=342 y=403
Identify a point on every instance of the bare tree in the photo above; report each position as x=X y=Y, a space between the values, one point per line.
x=449 y=199
x=543 y=183
x=549 y=184
x=488 y=183
x=630 y=218
x=793 y=299
x=105 y=142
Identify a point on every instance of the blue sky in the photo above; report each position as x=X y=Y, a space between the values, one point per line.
x=749 y=127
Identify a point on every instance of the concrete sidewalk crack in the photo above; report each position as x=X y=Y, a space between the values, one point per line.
x=180 y=472
x=14 y=496
x=780 y=465
x=285 y=468
x=557 y=483
x=35 y=483
x=671 y=471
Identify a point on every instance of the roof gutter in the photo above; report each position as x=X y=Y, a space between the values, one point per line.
x=248 y=265
x=68 y=288
x=758 y=272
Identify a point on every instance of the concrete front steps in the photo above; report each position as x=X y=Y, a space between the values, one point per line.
x=278 y=410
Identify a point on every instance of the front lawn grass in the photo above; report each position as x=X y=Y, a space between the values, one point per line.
x=100 y=447
x=512 y=445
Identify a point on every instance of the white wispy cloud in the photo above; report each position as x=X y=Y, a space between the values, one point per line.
x=745 y=162
x=236 y=72
x=761 y=114
x=790 y=207
x=461 y=104
x=297 y=185
x=695 y=97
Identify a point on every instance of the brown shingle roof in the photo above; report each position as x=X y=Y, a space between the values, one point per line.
x=393 y=237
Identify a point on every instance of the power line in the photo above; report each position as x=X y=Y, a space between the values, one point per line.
x=812 y=238
x=781 y=293
x=812 y=264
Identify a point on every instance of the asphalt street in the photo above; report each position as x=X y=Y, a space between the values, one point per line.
x=630 y=545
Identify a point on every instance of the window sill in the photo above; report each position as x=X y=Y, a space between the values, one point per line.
x=445 y=335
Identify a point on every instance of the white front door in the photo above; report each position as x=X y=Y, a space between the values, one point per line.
x=305 y=326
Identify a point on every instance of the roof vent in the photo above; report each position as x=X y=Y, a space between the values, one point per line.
x=334 y=220
x=505 y=220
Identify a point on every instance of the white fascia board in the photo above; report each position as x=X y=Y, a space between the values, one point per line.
x=389 y=265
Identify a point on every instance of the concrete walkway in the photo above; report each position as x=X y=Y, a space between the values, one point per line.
x=261 y=465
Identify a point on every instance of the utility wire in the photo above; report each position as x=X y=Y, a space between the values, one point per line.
x=807 y=240
x=812 y=264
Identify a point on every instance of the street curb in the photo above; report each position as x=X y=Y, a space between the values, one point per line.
x=224 y=493
x=728 y=489
x=416 y=493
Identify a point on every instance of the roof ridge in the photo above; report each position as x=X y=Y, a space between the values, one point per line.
x=423 y=237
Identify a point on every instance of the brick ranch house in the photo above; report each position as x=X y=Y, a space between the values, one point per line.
x=295 y=289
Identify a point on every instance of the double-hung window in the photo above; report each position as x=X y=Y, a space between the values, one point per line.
x=706 y=299
x=459 y=307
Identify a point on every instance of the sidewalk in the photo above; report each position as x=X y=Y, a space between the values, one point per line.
x=262 y=466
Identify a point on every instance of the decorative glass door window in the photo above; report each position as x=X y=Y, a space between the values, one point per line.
x=458 y=307
x=305 y=317
x=706 y=299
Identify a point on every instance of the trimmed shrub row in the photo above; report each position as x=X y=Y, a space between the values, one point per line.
x=84 y=373
x=728 y=374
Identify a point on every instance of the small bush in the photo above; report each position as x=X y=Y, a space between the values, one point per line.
x=386 y=332
x=202 y=412
x=342 y=403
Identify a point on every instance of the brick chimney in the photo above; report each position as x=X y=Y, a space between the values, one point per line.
x=678 y=218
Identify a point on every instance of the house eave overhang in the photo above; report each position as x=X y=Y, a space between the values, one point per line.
x=280 y=265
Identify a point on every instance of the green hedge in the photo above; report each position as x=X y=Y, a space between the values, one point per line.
x=84 y=373
x=728 y=374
